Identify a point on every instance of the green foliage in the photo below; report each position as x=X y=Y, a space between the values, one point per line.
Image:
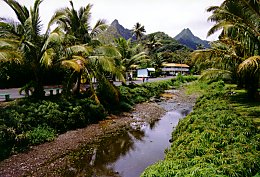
x=144 y=92
x=125 y=106
x=180 y=79
x=40 y=134
x=214 y=140
x=32 y=122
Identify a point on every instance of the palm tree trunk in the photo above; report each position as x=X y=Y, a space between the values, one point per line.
x=76 y=91
x=38 y=85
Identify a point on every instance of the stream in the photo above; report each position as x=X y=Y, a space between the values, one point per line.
x=129 y=152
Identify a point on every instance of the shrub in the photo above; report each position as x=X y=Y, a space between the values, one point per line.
x=40 y=135
x=125 y=106
x=33 y=122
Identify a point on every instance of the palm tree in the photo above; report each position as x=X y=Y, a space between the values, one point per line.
x=76 y=27
x=222 y=55
x=239 y=21
x=104 y=63
x=77 y=24
x=130 y=55
x=249 y=70
x=138 y=30
x=23 y=41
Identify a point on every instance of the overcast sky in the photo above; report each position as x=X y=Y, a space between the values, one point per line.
x=169 y=16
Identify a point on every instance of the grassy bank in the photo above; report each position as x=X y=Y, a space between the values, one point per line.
x=219 y=138
x=30 y=122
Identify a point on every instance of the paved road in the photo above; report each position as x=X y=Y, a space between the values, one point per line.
x=14 y=92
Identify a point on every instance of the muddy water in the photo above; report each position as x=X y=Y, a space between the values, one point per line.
x=129 y=152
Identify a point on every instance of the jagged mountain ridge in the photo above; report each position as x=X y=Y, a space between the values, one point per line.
x=122 y=32
x=187 y=38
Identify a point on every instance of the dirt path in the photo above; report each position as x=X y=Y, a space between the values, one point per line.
x=46 y=157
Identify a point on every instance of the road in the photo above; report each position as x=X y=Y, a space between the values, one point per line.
x=14 y=92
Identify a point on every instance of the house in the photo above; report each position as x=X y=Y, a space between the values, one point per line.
x=175 y=68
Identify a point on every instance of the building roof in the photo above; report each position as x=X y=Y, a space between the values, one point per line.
x=175 y=65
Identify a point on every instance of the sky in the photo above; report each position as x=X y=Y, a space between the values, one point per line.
x=169 y=16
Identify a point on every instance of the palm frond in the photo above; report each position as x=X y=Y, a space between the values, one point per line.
x=98 y=28
x=55 y=37
x=58 y=15
x=47 y=57
x=72 y=64
x=9 y=54
x=250 y=66
x=78 y=50
x=85 y=14
x=103 y=63
x=21 y=12
x=108 y=51
x=215 y=74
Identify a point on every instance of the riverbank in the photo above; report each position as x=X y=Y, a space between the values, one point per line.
x=41 y=159
x=219 y=138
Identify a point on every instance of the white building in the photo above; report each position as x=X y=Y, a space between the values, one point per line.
x=174 y=68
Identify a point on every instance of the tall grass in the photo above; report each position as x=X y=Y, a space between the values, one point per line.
x=214 y=140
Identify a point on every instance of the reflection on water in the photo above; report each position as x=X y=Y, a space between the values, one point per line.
x=129 y=152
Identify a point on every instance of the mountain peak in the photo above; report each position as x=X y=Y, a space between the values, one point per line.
x=124 y=32
x=186 y=37
x=115 y=22
x=187 y=31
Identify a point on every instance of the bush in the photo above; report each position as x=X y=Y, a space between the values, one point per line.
x=125 y=106
x=32 y=122
x=40 y=135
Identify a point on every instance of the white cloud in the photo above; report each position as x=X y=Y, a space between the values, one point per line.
x=169 y=16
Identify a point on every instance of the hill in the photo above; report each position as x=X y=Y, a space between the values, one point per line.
x=186 y=38
x=164 y=42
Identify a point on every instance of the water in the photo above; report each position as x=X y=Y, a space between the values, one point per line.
x=128 y=153
x=149 y=149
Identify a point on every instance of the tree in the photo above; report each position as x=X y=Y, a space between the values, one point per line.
x=138 y=30
x=130 y=54
x=79 y=37
x=76 y=24
x=23 y=41
x=239 y=22
x=249 y=70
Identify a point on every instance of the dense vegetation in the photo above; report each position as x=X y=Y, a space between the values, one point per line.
x=214 y=140
x=31 y=121
x=219 y=138
x=236 y=54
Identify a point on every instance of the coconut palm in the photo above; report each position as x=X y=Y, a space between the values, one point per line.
x=222 y=55
x=130 y=55
x=104 y=64
x=76 y=27
x=77 y=24
x=239 y=22
x=138 y=30
x=23 y=40
x=249 y=70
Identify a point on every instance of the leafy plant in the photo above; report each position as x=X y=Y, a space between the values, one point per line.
x=41 y=134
